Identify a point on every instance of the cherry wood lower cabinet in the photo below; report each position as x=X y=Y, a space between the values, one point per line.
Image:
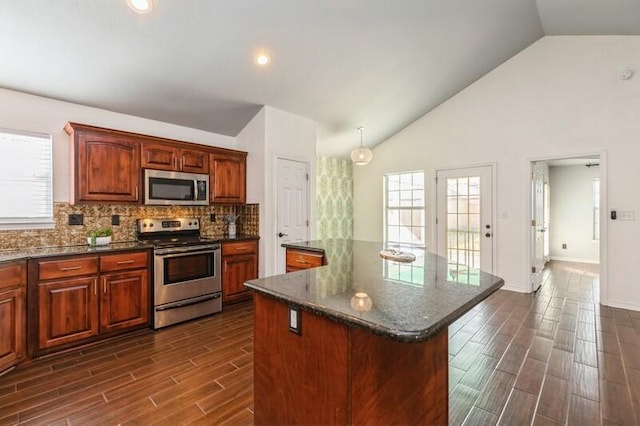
x=13 y=280
x=124 y=301
x=78 y=299
x=239 y=264
x=333 y=374
x=67 y=311
x=298 y=260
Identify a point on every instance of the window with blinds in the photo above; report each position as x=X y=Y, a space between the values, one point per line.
x=26 y=175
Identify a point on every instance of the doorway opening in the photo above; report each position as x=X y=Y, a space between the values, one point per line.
x=566 y=207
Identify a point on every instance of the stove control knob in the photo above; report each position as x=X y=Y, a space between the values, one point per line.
x=151 y=225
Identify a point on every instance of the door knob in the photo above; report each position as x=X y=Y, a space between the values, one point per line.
x=280 y=234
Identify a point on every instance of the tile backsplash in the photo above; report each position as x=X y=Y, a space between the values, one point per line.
x=100 y=215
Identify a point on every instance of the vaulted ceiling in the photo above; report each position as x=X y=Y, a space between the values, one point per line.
x=343 y=63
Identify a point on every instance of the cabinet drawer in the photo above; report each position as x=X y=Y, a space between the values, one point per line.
x=122 y=261
x=53 y=269
x=12 y=274
x=304 y=259
x=241 y=247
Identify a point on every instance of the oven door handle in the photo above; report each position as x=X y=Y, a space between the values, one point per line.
x=187 y=253
x=183 y=303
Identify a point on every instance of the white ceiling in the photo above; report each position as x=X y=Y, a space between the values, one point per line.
x=380 y=64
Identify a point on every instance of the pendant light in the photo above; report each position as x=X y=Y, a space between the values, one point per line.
x=361 y=156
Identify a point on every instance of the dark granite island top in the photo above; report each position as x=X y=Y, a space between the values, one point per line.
x=410 y=302
x=324 y=353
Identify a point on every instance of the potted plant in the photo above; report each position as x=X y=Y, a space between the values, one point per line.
x=99 y=237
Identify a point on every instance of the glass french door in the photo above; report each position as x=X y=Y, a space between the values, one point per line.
x=465 y=221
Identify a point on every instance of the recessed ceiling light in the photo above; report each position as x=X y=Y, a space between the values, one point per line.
x=263 y=59
x=140 y=6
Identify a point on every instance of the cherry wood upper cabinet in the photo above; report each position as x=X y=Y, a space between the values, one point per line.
x=167 y=157
x=105 y=166
x=228 y=177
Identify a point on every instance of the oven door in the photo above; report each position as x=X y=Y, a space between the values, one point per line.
x=185 y=274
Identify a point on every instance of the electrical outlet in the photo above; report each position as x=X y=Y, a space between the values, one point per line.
x=295 y=320
x=564 y=246
x=76 y=219
x=115 y=219
x=212 y=217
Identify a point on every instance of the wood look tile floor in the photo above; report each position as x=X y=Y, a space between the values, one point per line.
x=556 y=357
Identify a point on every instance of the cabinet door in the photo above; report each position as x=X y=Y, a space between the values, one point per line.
x=67 y=311
x=107 y=168
x=12 y=327
x=194 y=161
x=124 y=300
x=235 y=271
x=159 y=157
x=228 y=178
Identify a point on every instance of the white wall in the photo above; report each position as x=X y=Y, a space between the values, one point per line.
x=21 y=111
x=270 y=135
x=560 y=97
x=252 y=140
x=571 y=222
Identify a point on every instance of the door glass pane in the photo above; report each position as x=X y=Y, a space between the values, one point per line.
x=464 y=225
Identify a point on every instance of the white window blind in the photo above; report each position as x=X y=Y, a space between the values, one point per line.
x=26 y=176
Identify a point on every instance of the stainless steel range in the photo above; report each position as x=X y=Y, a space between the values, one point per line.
x=187 y=274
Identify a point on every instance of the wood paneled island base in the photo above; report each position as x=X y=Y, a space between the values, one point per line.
x=332 y=373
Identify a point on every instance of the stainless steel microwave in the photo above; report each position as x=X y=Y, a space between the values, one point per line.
x=163 y=187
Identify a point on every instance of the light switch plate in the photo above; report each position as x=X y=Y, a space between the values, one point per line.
x=626 y=215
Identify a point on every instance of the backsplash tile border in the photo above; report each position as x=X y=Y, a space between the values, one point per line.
x=99 y=216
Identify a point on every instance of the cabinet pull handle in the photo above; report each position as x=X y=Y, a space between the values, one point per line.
x=136 y=192
x=304 y=262
x=122 y=262
x=70 y=268
x=104 y=285
x=95 y=287
x=241 y=248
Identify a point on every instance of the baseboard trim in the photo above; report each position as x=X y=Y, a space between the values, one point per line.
x=573 y=259
x=517 y=289
x=623 y=305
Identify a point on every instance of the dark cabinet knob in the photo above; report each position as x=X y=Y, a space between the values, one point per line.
x=488 y=234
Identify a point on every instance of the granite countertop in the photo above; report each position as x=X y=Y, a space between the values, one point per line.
x=409 y=302
x=10 y=255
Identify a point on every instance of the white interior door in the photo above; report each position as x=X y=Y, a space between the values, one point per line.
x=547 y=219
x=538 y=229
x=465 y=217
x=292 y=206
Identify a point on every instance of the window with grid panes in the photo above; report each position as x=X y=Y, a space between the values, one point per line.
x=405 y=208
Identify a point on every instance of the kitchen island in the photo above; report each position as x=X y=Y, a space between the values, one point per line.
x=361 y=340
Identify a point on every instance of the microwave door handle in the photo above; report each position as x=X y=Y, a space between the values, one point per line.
x=195 y=188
